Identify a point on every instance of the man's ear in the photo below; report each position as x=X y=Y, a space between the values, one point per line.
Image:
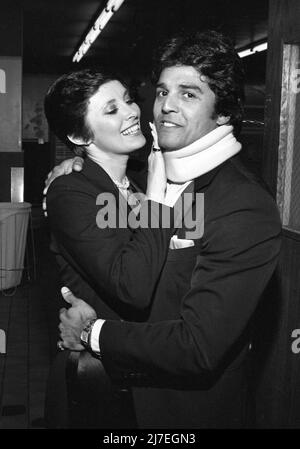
x=223 y=119
x=78 y=140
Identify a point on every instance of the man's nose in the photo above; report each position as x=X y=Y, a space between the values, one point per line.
x=169 y=104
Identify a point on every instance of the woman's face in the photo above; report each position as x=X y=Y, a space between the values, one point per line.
x=114 y=119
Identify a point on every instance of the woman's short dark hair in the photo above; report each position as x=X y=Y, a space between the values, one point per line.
x=212 y=55
x=66 y=104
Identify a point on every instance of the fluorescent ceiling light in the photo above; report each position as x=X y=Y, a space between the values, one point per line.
x=111 y=7
x=254 y=49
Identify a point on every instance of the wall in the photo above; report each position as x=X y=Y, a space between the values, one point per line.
x=38 y=159
x=34 y=121
x=10 y=106
x=10 y=93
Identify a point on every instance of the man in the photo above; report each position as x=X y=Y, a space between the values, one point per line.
x=187 y=362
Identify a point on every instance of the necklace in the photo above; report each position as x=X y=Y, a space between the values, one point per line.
x=122 y=185
x=130 y=197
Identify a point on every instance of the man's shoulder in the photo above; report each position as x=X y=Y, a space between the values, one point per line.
x=235 y=187
x=234 y=171
x=237 y=208
x=234 y=175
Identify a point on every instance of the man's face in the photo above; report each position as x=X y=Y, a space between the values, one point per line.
x=184 y=107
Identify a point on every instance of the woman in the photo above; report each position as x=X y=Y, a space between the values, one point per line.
x=115 y=267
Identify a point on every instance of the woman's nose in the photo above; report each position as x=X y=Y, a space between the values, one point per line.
x=130 y=112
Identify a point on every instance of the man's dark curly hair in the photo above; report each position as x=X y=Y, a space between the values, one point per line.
x=66 y=104
x=212 y=55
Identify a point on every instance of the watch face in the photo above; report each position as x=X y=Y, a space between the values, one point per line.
x=86 y=332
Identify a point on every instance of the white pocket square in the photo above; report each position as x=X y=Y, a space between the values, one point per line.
x=176 y=243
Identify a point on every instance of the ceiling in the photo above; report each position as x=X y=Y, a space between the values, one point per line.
x=54 y=28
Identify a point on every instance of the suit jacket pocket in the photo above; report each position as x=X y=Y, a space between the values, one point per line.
x=184 y=253
x=176 y=243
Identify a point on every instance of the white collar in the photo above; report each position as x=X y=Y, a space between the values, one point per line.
x=201 y=156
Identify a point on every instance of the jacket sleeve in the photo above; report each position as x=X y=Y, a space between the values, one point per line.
x=239 y=253
x=119 y=263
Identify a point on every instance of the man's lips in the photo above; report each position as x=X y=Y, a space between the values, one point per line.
x=168 y=124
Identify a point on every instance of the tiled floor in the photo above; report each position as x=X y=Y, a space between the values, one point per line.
x=29 y=318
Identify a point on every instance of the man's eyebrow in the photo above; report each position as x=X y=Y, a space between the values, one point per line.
x=191 y=87
x=160 y=85
x=182 y=86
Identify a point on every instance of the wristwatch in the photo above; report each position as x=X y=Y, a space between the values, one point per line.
x=85 y=336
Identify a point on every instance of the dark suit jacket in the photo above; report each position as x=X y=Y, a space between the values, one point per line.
x=193 y=346
x=115 y=270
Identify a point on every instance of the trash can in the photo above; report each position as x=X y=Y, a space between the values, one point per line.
x=14 y=218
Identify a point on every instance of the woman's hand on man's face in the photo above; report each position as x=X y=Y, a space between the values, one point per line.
x=64 y=168
x=157 y=179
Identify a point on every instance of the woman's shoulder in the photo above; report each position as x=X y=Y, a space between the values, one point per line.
x=69 y=182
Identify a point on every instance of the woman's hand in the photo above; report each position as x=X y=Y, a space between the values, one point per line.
x=157 y=180
x=64 y=168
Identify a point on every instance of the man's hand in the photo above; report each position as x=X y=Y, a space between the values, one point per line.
x=73 y=320
x=64 y=168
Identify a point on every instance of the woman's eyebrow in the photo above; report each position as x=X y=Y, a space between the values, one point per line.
x=126 y=93
x=109 y=103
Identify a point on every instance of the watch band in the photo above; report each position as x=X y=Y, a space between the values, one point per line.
x=85 y=336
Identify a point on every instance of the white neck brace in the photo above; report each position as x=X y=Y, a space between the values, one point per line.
x=201 y=156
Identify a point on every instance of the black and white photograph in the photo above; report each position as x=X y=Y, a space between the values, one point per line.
x=149 y=218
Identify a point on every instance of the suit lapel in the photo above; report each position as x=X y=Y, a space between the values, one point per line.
x=197 y=186
x=104 y=184
x=202 y=182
